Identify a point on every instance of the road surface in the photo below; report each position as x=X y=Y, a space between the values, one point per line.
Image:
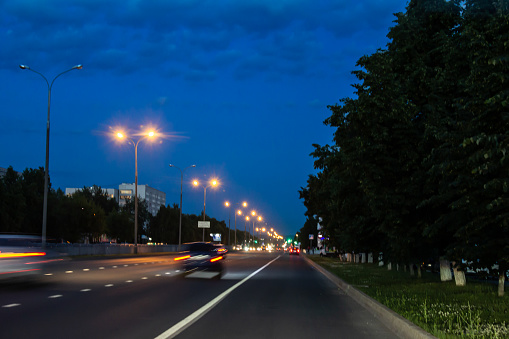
x=260 y=295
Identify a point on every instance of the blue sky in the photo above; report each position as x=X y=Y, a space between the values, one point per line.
x=241 y=88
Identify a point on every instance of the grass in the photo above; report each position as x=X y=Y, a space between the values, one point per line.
x=441 y=308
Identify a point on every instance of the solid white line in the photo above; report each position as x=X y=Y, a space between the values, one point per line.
x=183 y=324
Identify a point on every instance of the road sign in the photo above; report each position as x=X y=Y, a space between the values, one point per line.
x=203 y=224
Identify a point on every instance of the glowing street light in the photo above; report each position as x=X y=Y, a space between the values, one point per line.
x=238 y=212
x=212 y=183
x=46 y=166
x=121 y=136
x=245 y=229
x=180 y=217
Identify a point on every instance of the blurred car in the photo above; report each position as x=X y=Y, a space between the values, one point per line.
x=294 y=250
x=202 y=256
x=22 y=258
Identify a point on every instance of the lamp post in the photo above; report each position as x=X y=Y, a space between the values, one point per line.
x=239 y=212
x=253 y=214
x=121 y=135
x=180 y=217
x=227 y=204
x=245 y=229
x=46 y=167
x=212 y=183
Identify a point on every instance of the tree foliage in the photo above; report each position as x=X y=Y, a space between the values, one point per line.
x=418 y=168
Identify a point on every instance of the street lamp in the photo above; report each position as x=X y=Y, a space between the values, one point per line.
x=121 y=135
x=180 y=217
x=212 y=183
x=245 y=229
x=227 y=204
x=239 y=212
x=46 y=167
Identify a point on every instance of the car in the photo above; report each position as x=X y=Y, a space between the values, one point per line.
x=23 y=259
x=202 y=256
x=294 y=250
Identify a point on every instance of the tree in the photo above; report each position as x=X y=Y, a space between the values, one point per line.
x=13 y=203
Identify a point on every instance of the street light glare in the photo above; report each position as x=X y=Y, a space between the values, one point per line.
x=244 y=204
x=120 y=135
x=195 y=182
x=227 y=204
x=213 y=182
x=239 y=212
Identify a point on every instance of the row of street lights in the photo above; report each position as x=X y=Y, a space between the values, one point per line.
x=121 y=135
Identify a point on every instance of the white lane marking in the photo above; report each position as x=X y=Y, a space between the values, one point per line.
x=101 y=268
x=48 y=274
x=114 y=266
x=144 y=278
x=135 y=264
x=158 y=275
x=86 y=290
x=185 y=323
x=10 y=305
x=86 y=269
x=55 y=296
x=108 y=285
x=128 y=281
x=126 y=265
x=168 y=273
x=68 y=272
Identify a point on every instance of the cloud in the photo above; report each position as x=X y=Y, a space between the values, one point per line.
x=197 y=38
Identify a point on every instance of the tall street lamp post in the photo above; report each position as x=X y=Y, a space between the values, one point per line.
x=121 y=135
x=227 y=204
x=239 y=212
x=46 y=167
x=180 y=217
x=245 y=229
x=212 y=183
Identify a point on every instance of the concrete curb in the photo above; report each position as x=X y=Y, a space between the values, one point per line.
x=396 y=323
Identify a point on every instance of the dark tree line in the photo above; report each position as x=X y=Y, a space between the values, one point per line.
x=90 y=215
x=419 y=168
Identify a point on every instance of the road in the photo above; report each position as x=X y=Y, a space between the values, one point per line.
x=261 y=295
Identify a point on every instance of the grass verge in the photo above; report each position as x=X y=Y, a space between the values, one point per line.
x=441 y=308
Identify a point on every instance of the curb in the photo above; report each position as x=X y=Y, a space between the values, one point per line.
x=395 y=322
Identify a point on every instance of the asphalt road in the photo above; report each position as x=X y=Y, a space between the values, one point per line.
x=261 y=295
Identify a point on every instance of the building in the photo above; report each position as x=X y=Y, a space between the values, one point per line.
x=154 y=198
x=110 y=192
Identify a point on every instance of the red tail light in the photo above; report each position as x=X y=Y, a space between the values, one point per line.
x=182 y=258
x=20 y=255
x=216 y=259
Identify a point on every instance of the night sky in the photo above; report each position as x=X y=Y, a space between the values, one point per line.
x=238 y=88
